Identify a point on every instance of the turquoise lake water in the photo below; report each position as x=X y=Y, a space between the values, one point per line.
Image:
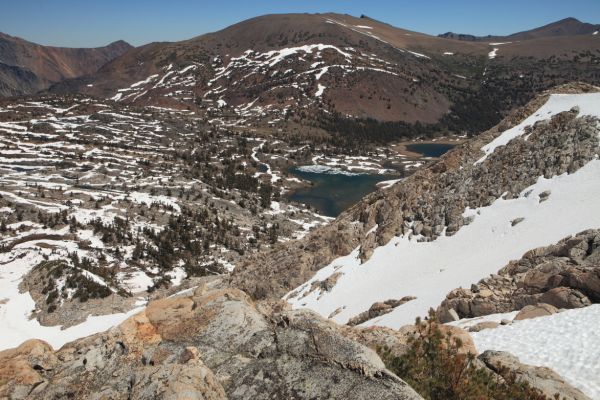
x=332 y=193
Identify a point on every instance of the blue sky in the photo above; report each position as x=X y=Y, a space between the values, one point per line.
x=87 y=23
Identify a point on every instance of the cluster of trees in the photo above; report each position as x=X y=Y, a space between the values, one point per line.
x=475 y=107
x=52 y=220
x=437 y=369
x=81 y=287
x=353 y=134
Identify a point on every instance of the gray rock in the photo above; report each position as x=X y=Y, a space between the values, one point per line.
x=534 y=311
x=517 y=221
x=377 y=309
x=448 y=315
x=564 y=297
x=216 y=344
x=484 y=325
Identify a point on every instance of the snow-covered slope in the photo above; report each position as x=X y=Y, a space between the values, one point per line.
x=15 y=307
x=541 y=341
x=429 y=270
x=588 y=105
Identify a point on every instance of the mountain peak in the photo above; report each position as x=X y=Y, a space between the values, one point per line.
x=120 y=44
x=568 y=19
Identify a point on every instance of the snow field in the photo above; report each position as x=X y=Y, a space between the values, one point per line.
x=567 y=342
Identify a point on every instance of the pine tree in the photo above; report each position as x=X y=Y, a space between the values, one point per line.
x=436 y=368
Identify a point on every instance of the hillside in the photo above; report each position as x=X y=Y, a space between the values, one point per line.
x=331 y=72
x=26 y=67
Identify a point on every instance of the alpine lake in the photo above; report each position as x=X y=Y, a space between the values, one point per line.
x=333 y=190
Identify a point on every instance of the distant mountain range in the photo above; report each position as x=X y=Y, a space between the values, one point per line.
x=564 y=27
x=27 y=67
x=290 y=71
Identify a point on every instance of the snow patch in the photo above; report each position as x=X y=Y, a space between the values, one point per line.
x=387 y=184
x=320 y=90
x=324 y=169
x=15 y=323
x=567 y=342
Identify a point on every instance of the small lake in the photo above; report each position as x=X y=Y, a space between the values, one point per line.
x=331 y=192
x=430 y=149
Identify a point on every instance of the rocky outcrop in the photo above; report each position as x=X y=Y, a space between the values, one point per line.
x=432 y=201
x=564 y=275
x=544 y=379
x=379 y=308
x=484 y=325
x=215 y=344
x=397 y=341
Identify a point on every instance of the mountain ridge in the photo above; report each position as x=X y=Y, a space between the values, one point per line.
x=28 y=67
x=564 y=27
x=318 y=71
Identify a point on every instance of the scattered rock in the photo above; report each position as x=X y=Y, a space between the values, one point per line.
x=544 y=195
x=534 y=311
x=335 y=312
x=565 y=275
x=484 y=325
x=517 y=221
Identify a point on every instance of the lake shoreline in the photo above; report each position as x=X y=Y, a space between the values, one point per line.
x=332 y=193
x=402 y=147
x=334 y=187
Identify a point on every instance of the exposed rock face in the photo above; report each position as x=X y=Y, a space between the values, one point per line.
x=215 y=344
x=431 y=202
x=541 y=378
x=564 y=275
